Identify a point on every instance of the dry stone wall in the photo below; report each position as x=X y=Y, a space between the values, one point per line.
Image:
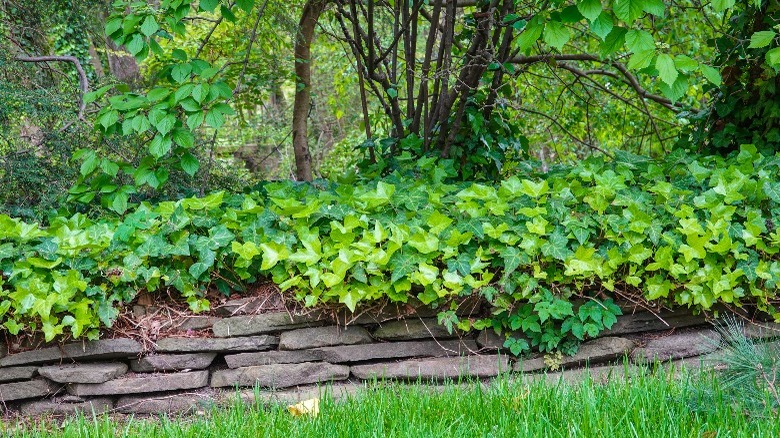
x=291 y=354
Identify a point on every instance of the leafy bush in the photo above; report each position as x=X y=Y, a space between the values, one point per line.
x=689 y=231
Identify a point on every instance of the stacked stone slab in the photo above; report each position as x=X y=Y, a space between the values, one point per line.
x=287 y=355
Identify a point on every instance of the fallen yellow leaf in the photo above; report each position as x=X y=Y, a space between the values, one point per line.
x=306 y=407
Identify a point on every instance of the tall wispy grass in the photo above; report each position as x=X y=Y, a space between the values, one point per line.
x=649 y=405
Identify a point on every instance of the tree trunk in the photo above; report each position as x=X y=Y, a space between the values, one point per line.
x=311 y=13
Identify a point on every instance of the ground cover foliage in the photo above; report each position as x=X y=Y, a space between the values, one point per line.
x=648 y=405
x=691 y=231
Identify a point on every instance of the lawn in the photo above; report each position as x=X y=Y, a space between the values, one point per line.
x=658 y=405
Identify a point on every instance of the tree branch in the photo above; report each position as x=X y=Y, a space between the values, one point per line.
x=83 y=82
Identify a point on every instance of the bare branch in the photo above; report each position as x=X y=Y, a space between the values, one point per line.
x=83 y=82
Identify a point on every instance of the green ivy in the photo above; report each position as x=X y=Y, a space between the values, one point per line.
x=548 y=253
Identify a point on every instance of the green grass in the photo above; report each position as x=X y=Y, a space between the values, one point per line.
x=650 y=406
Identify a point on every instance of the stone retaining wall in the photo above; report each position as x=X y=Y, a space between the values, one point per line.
x=288 y=355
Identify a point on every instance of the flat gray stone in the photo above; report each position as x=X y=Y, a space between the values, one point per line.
x=270 y=357
x=314 y=337
x=195 y=323
x=61 y=408
x=262 y=324
x=647 y=322
x=490 y=340
x=247 y=306
x=591 y=352
x=29 y=389
x=102 y=349
x=172 y=362
x=142 y=383
x=280 y=375
x=435 y=369
x=762 y=330
x=171 y=404
x=412 y=329
x=17 y=373
x=677 y=346
x=412 y=309
x=218 y=345
x=83 y=372
x=335 y=392
x=395 y=350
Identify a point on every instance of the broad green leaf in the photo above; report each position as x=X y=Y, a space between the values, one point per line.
x=640 y=60
x=712 y=74
x=685 y=63
x=666 y=69
x=655 y=7
x=639 y=40
x=208 y=5
x=556 y=34
x=722 y=5
x=183 y=137
x=246 y=5
x=149 y=26
x=614 y=41
x=590 y=9
x=773 y=58
x=189 y=164
x=531 y=33
x=602 y=25
x=761 y=39
x=628 y=10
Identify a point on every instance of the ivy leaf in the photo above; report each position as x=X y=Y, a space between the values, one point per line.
x=557 y=246
x=666 y=69
x=402 y=265
x=772 y=190
x=424 y=242
x=273 y=253
x=590 y=9
x=513 y=258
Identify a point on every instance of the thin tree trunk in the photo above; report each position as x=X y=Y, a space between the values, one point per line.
x=311 y=13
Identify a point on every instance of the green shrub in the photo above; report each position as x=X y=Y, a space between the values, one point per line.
x=687 y=231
